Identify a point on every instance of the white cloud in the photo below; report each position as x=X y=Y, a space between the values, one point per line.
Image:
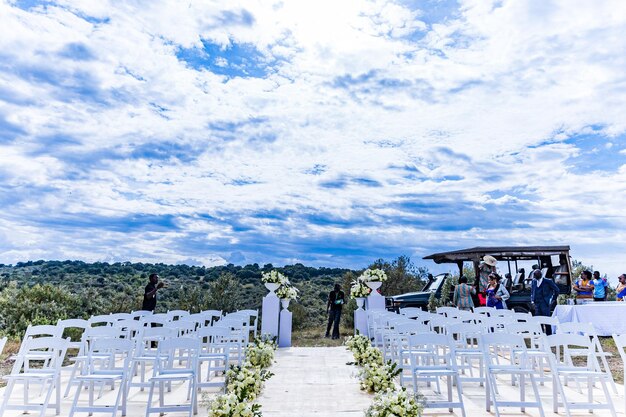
x=354 y=88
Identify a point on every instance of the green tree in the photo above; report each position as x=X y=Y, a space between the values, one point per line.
x=225 y=293
x=403 y=276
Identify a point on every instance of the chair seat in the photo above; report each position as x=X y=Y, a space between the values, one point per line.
x=435 y=372
x=99 y=377
x=30 y=375
x=173 y=376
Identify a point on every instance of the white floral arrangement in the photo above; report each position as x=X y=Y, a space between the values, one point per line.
x=274 y=277
x=357 y=344
x=359 y=289
x=228 y=405
x=260 y=353
x=394 y=404
x=376 y=378
x=246 y=381
x=287 y=292
x=371 y=355
x=373 y=275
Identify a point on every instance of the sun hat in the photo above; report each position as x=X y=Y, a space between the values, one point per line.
x=490 y=260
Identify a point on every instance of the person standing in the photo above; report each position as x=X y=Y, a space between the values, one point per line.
x=485 y=268
x=620 y=290
x=496 y=293
x=584 y=286
x=150 y=293
x=463 y=295
x=336 y=300
x=543 y=292
x=599 y=287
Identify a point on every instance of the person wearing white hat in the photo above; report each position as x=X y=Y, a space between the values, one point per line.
x=486 y=267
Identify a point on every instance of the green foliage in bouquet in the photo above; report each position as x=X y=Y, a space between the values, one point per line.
x=376 y=378
x=246 y=381
x=260 y=353
x=228 y=405
x=394 y=404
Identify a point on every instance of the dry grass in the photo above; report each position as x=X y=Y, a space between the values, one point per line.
x=6 y=364
x=314 y=337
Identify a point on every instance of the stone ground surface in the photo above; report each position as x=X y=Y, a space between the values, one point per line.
x=317 y=382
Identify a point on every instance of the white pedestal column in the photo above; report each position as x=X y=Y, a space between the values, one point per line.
x=284 y=337
x=375 y=301
x=270 y=314
x=360 y=318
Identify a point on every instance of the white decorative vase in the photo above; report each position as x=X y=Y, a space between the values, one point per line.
x=285 y=302
x=374 y=285
x=360 y=301
x=272 y=286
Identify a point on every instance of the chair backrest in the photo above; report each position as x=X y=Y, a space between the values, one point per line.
x=439 y=324
x=213 y=338
x=80 y=325
x=432 y=350
x=530 y=331
x=120 y=352
x=568 y=342
x=465 y=335
x=502 y=313
x=154 y=320
x=620 y=344
x=492 y=344
x=412 y=328
x=183 y=327
x=51 y=349
x=130 y=327
x=576 y=328
x=212 y=315
x=411 y=312
x=448 y=311
x=101 y=320
x=140 y=313
x=121 y=316
x=484 y=310
x=184 y=349
x=173 y=315
x=40 y=331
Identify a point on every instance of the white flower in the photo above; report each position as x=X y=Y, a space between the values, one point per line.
x=371 y=275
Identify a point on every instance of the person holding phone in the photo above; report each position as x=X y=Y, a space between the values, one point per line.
x=150 y=293
x=336 y=300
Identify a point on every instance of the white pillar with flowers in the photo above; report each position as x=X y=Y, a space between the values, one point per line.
x=271 y=303
x=286 y=292
x=359 y=290
x=374 y=278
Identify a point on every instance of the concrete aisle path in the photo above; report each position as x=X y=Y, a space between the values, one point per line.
x=313 y=382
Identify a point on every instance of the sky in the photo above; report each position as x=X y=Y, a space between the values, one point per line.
x=330 y=133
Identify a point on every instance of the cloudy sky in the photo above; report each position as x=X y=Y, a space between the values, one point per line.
x=330 y=133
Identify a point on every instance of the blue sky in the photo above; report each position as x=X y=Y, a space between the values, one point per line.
x=327 y=133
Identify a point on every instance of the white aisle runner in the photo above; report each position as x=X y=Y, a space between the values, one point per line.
x=313 y=382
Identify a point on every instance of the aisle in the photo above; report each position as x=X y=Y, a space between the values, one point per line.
x=313 y=382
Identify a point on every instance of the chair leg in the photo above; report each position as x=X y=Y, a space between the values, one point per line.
x=533 y=382
x=75 y=402
x=609 y=401
x=7 y=396
x=150 y=394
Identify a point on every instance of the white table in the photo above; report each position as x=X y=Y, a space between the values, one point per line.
x=607 y=317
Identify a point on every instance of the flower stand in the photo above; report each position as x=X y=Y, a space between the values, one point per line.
x=284 y=336
x=360 y=318
x=375 y=301
x=270 y=312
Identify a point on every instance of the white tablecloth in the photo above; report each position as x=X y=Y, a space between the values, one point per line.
x=607 y=317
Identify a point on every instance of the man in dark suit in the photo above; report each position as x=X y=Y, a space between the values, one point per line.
x=542 y=294
x=336 y=300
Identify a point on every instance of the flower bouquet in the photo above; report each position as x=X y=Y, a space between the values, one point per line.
x=373 y=275
x=376 y=378
x=274 y=277
x=246 y=381
x=287 y=292
x=359 y=289
x=228 y=405
x=357 y=344
x=261 y=353
x=393 y=404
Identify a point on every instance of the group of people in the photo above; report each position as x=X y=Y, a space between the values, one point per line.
x=593 y=286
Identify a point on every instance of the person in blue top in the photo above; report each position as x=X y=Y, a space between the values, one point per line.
x=599 y=287
x=543 y=293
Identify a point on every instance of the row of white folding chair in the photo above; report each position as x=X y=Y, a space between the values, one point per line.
x=389 y=333
x=375 y=323
x=51 y=351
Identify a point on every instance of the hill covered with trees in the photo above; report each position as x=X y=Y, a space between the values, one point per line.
x=40 y=292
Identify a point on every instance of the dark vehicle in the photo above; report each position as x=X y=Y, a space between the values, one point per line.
x=554 y=262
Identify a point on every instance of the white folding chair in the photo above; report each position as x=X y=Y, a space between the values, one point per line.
x=116 y=368
x=211 y=316
x=518 y=367
x=166 y=372
x=535 y=343
x=253 y=316
x=589 y=330
x=467 y=349
x=146 y=353
x=48 y=376
x=502 y=313
x=121 y=316
x=214 y=352
x=137 y=315
x=237 y=337
x=435 y=359
x=563 y=366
